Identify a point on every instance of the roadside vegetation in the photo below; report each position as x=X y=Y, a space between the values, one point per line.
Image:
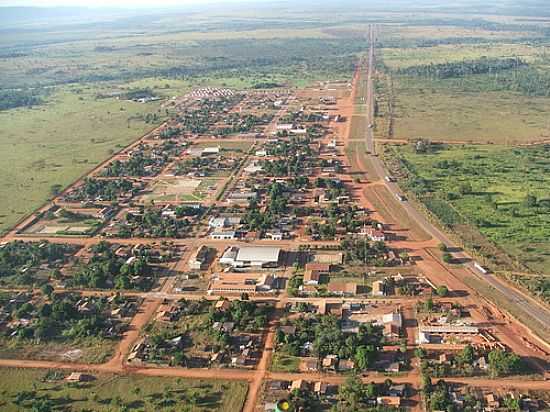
x=499 y=192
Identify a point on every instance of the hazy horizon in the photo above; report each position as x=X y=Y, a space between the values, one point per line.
x=118 y=5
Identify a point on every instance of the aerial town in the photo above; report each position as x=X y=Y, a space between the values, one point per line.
x=240 y=241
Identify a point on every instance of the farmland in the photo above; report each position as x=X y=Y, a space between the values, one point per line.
x=27 y=387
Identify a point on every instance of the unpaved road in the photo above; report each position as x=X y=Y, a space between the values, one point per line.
x=529 y=306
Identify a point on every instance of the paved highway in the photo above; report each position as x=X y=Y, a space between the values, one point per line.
x=526 y=304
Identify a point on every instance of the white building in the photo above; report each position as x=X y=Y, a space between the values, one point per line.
x=256 y=256
x=218 y=222
x=223 y=235
x=210 y=150
x=199 y=259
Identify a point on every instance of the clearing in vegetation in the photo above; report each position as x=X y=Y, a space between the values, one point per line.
x=31 y=388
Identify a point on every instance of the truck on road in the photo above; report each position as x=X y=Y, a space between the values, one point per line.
x=480 y=268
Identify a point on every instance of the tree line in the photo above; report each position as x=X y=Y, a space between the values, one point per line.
x=463 y=68
x=11 y=99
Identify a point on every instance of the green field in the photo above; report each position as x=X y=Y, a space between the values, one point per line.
x=494 y=106
x=487 y=187
x=22 y=389
x=91 y=350
x=396 y=58
x=58 y=142
x=448 y=111
x=285 y=363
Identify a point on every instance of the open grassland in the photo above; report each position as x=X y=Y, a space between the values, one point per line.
x=285 y=363
x=503 y=192
x=450 y=32
x=58 y=142
x=115 y=392
x=454 y=112
x=293 y=57
x=398 y=58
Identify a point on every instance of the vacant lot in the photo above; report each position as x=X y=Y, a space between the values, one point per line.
x=501 y=191
x=25 y=388
x=58 y=142
x=91 y=350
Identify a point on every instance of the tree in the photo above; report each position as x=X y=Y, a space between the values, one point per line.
x=465 y=188
x=351 y=392
x=371 y=390
x=47 y=290
x=442 y=291
x=364 y=356
x=122 y=282
x=512 y=403
x=447 y=257
x=41 y=405
x=503 y=363
x=55 y=190
x=443 y=247
x=531 y=201
x=57 y=275
x=426 y=384
x=467 y=355
x=420 y=353
x=429 y=304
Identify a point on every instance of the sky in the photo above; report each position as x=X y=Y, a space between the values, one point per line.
x=108 y=3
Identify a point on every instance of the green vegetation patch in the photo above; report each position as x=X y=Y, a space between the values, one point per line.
x=503 y=192
x=44 y=390
x=471 y=109
x=58 y=142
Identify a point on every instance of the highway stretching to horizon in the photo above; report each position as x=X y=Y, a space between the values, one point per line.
x=526 y=304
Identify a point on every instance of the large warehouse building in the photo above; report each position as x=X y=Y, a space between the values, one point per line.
x=255 y=256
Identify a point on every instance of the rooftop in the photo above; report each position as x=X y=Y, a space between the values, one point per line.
x=258 y=253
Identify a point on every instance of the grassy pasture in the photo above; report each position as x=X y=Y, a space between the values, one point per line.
x=501 y=178
x=58 y=142
x=398 y=58
x=416 y=32
x=443 y=111
x=285 y=363
x=122 y=392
